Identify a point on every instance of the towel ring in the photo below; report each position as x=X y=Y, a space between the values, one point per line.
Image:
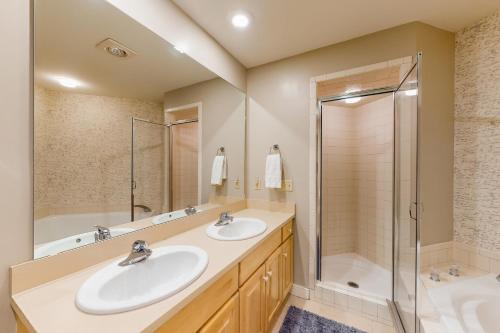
x=221 y=151
x=274 y=149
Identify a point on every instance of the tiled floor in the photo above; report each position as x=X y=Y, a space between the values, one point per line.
x=345 y=317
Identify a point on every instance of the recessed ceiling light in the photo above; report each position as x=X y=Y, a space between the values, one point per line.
x=352 y=100
x=240 y=20
x=67 y=82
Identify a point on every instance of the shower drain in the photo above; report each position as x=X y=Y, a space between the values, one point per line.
x=353 y=284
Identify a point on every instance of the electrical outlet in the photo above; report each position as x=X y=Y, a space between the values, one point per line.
x=288 y=185
x=258 y=184
x=237 y=184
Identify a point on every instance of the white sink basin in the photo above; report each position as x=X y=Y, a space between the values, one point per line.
x=240 y=228
x=72 y=242
x=116 y=289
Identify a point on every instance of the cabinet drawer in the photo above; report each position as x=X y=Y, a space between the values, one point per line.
x=252 y=261
x=286 y=230
x=192 y=317
x=226 y=320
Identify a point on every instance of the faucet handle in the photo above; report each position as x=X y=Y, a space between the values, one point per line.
x=101 y=229
x=140 y=246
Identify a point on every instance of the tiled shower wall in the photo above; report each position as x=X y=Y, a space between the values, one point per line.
x=374 y=128
x=357 y=181
x=339 y=192
x=82 y=152
x=477 y=135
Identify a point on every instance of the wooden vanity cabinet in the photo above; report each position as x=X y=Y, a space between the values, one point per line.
x=226 y=320
x=274 y=278
x=262 y=295
x=253 y=303
x=259 y=285
x=287 y=267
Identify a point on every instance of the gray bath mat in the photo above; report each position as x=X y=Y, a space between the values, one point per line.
x=301 y=321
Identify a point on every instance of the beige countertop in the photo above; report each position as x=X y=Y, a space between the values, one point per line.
x=51 y=307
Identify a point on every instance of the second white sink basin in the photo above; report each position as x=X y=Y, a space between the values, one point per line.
x=167 y=271
x=240 y=228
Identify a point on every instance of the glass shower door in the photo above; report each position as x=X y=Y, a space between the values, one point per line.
x=148 y=169
x=406 y=202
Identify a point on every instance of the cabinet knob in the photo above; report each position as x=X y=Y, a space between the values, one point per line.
x=269 y=273
x=265 y=278
x=285 y=255
x=290 y=230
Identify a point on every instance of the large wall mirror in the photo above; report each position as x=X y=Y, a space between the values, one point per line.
x=129 y=131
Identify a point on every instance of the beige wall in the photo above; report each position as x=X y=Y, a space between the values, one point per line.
x=477 y=135
x=184 y=165
x=222 y=124
x=15 y=148
x=82 y=153
x=436 y=165
x=278 y=104
x=169 y=22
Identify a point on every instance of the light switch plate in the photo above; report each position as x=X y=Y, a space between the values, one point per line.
x=288 y=185
x=237 y=185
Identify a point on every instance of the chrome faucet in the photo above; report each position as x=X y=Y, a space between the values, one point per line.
x=224 y=219
x=102 y=233
x=190 y=210
x=454 y=270
x=140 y=251
x=435 y=275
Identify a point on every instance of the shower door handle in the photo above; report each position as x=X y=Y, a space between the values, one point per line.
x=412 y=210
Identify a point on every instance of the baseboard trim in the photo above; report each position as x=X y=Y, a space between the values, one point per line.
x=300 y=291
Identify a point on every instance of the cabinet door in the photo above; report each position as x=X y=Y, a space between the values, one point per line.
x=287 y=267
x=273 y=286
x=226 y=319
x=252 y=303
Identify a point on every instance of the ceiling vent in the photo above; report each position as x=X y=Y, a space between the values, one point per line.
x=116 y=49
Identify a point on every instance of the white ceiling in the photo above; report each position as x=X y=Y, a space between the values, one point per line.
x=282 y=28
x=66 y=34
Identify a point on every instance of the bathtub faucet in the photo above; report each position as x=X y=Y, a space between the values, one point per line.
x=102 y=233
x=435 y=275
x=454 y=271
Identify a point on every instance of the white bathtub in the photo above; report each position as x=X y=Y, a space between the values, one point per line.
x=469 y=306
x=71 y=242
x=56 y=227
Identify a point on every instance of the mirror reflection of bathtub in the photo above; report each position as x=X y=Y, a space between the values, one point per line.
x=469 y=306
x=170 y=216
x=71 y=242
x=57 y=233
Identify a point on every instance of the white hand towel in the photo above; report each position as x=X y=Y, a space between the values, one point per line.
x=218 y=170
x=273 y=171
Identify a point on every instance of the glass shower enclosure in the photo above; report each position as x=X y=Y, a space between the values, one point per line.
x=164 y=173
x=405 y=193
x=407 y=205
